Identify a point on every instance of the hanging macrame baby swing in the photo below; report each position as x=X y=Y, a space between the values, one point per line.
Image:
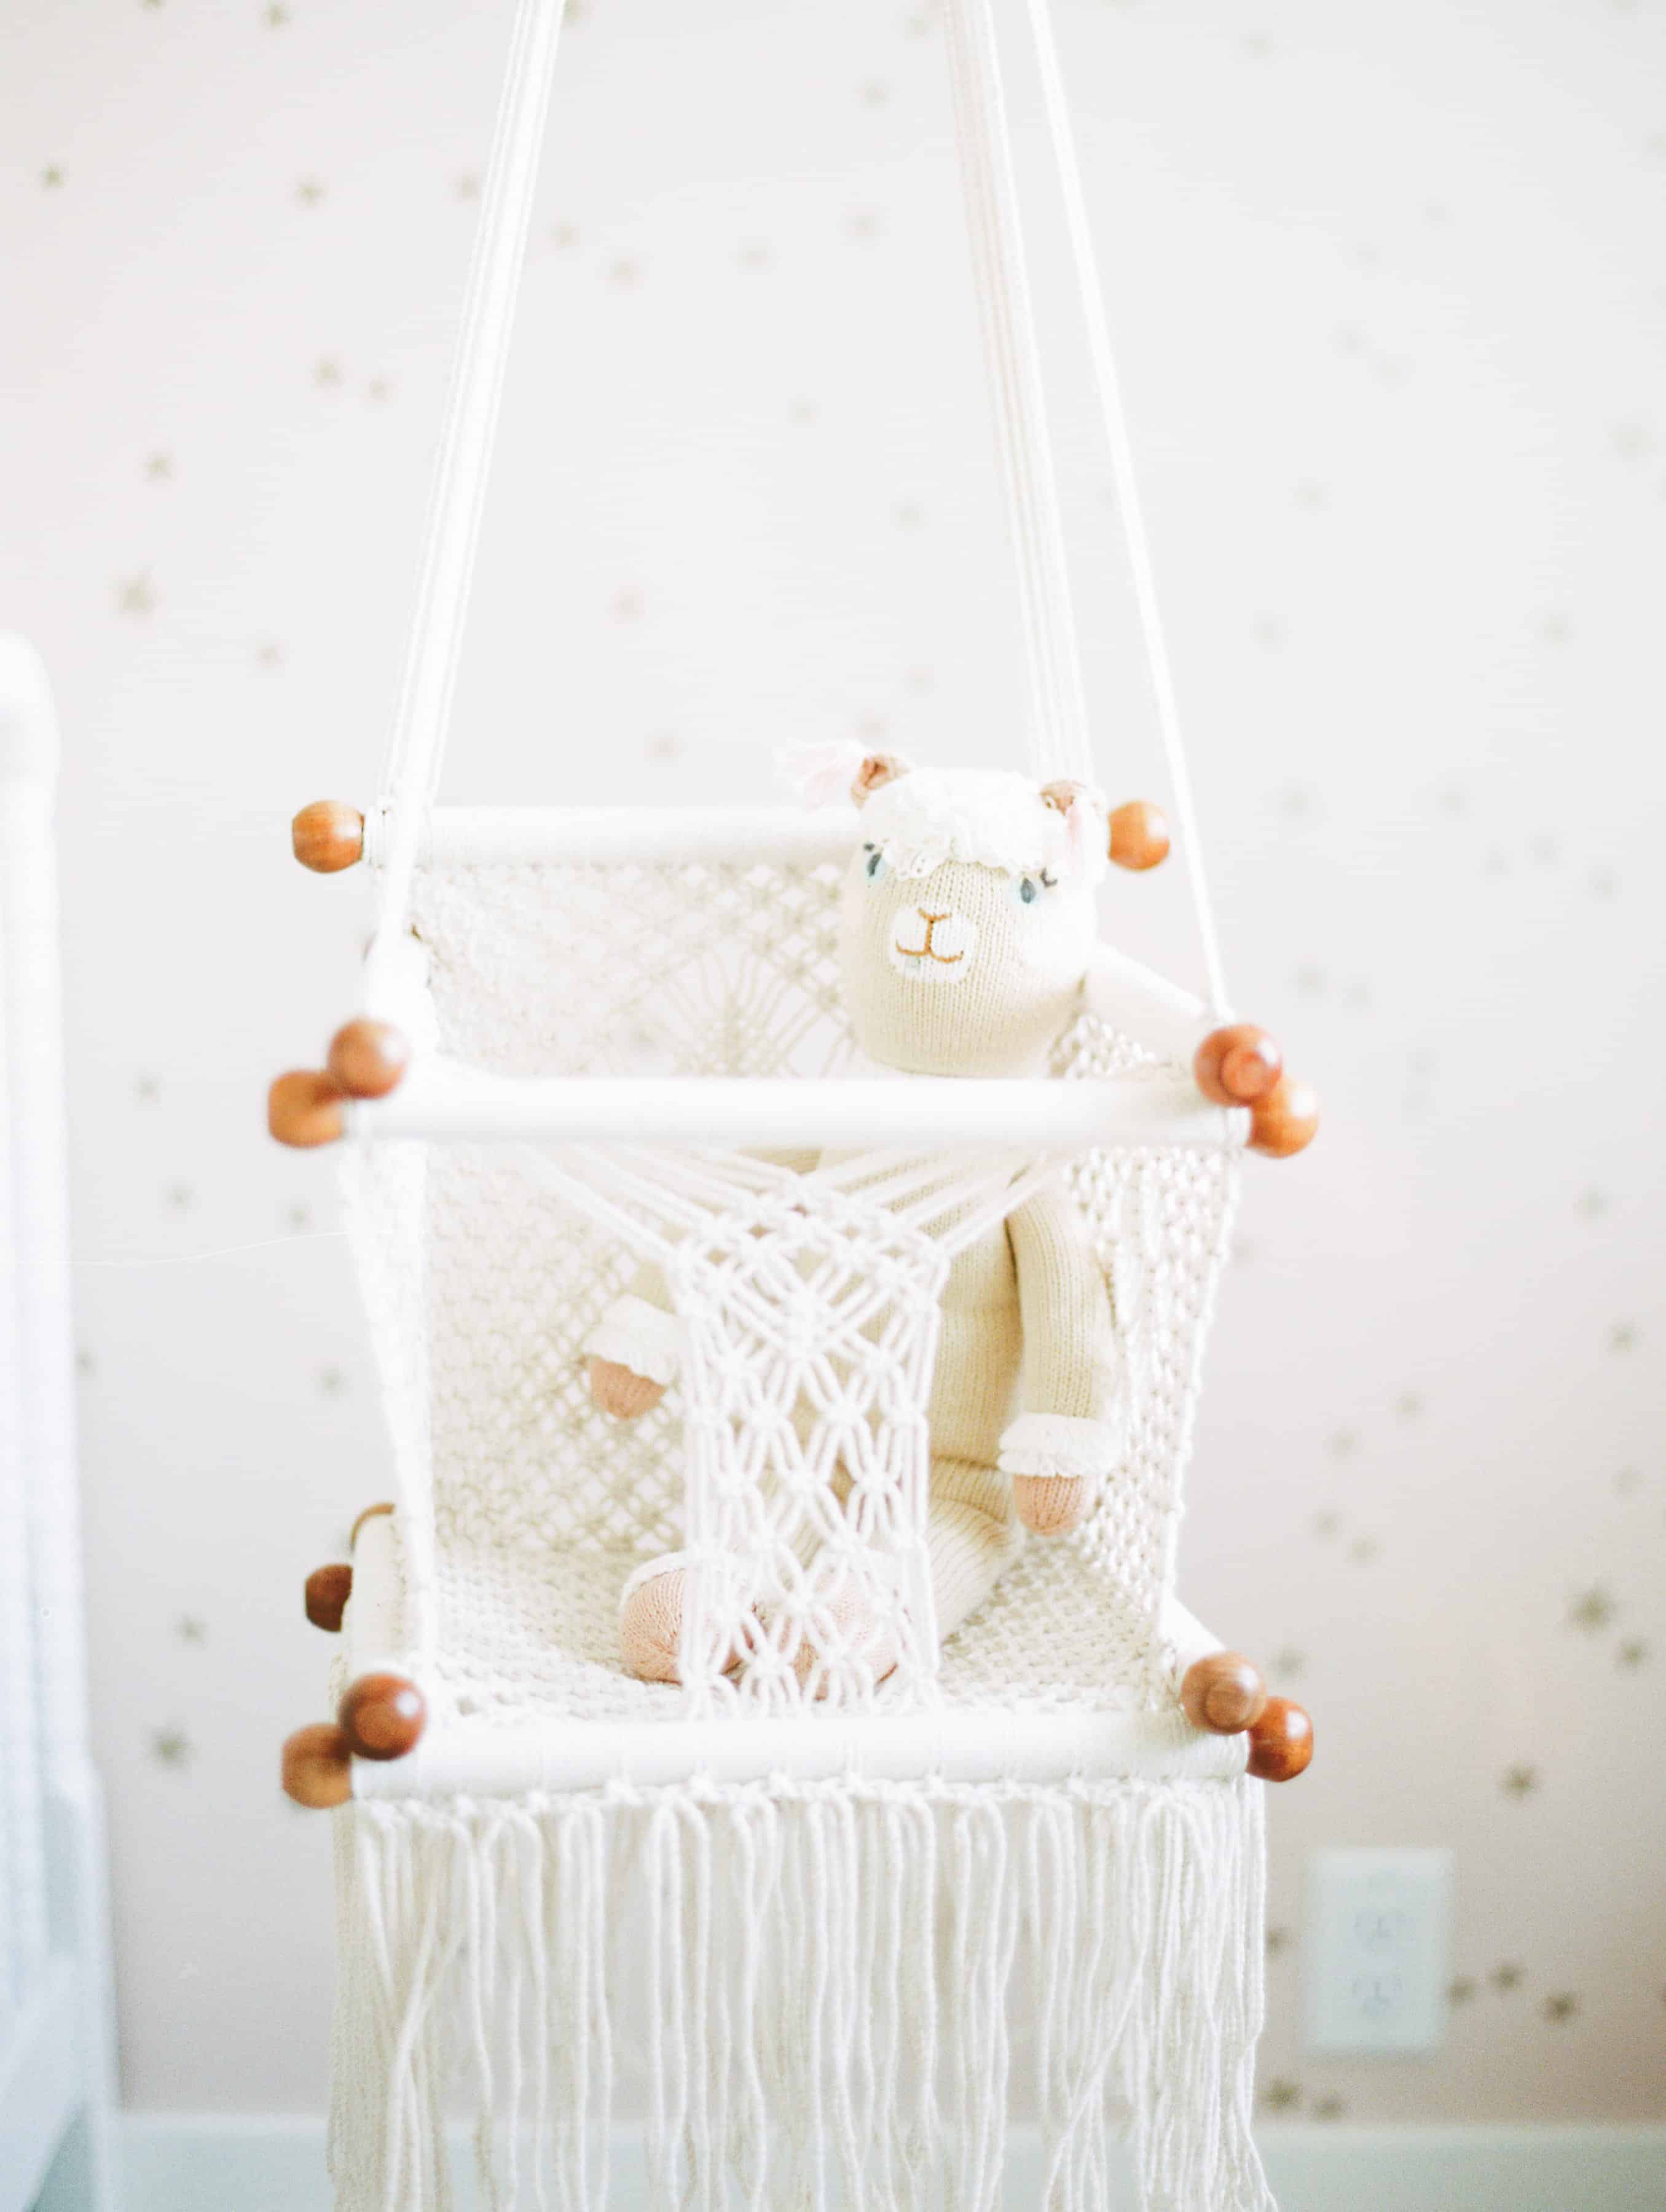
x=782 y=1898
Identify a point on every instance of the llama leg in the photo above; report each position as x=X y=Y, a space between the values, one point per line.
x=972 y=1536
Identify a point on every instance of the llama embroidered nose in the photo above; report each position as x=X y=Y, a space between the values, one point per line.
x=933 y=947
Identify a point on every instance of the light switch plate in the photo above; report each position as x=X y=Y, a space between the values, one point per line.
x=1376 y=1945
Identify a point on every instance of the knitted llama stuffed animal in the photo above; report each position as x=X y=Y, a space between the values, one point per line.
x=967 y=922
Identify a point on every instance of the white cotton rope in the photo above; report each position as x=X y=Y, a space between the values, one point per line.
x=1096 y=320
x=410 y=770
x=1058 y=736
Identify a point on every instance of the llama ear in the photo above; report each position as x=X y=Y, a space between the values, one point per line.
x=877 y=770
x=1079 y=805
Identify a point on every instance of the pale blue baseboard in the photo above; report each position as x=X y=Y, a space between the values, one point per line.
x=189 y=2162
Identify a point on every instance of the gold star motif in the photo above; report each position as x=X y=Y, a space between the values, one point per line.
x=331 y=1382
x=1278 y=1941
x=1633 y=1652
x=1519 y=1781
x=563 y=236
x=1287 y=1665
x=51 y=177
x=754 y=256
x=1326 y=1524
x=1591 y=1611
x=468 y=186
x=148 y=1090
x=309 y=191
x=629 y=606
x=625 y=272
x=1409 y=1405
x=159 y=468
x=298 y=1217
x=1591 y=1203
x=136 y=596
x=1460 y=1992
x=327 y=374
x=85 y=1361
x=864 y=223
x=1561 y=2008
x=908 y=516
x=1328 y=2108
x=1505 y=1979
x=276 y=15
x=181 y=1197
x=874 y=93
x=1363 y=1550
x=1280 y=2096
x=171 y=1748
x=269 y=655
x=190 y=1630
x=1622 y=1337
x=379 y=392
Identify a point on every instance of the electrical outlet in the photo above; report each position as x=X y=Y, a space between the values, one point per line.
x=1376 y=1950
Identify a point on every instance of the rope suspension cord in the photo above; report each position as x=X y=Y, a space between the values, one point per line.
x=1097 y=318
x=1059 y=741
x=411 y=765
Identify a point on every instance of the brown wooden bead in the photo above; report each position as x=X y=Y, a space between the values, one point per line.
x=304 y=1108
x=369 y=1513
x=328 y=836
x=328 y=1590
x=1286 y=1120
x=317 y=1767
x=382 y=1716
x=1280 y=1742
x=368 y=1059
x=1237 y=1064
x=1139 y=835
x=1223 y=1693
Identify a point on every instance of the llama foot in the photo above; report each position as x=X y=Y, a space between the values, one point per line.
x=651 y=1609
x=1052 y=1504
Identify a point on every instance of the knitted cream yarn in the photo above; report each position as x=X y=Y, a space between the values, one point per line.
x=966 y=925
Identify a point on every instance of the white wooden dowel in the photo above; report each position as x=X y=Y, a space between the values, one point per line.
x=1139 y=1003
x=961 y=1745
x=441 y=1100
x=494 y=836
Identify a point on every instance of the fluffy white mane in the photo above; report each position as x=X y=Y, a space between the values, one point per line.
x=988 y=815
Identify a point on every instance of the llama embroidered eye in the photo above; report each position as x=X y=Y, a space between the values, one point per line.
x=874 y=866
x=1029 y=889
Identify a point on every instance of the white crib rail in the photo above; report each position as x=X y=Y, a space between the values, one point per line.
x=56 y=2059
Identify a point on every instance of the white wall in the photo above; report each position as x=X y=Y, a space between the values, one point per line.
x=1392 y=306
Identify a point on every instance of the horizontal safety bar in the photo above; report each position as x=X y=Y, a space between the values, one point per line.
x=442 y=1100
x=484 y=836
x=961 y=1744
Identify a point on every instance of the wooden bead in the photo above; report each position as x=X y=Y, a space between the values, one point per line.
x=369 y=1513
x=1223 y=1693
x=382 y=1716
x=305 y=1108
x=1280 y=1742
x=328 y=1590
x=1285 y=1120
x=328 y=836
x=1236 y=1066
x=317 y=1767
x=1139 y=835
x=367 y=1058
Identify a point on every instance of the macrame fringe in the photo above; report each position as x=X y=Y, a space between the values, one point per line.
x=832 y=1981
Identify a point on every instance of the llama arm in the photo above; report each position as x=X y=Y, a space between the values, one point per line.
x=1070 y=1425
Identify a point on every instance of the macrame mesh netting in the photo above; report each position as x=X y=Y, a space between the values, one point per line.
x=810 y=1312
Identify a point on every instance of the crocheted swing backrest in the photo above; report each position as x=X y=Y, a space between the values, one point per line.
x=685 y=967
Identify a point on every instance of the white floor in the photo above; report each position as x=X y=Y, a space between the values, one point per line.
x=215 y=2163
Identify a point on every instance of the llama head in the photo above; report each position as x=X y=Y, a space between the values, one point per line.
x=967 y=916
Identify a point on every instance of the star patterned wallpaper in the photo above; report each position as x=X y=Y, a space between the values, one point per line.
x=1392 y=310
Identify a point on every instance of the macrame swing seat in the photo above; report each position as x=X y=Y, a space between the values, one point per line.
x=813 y=1916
